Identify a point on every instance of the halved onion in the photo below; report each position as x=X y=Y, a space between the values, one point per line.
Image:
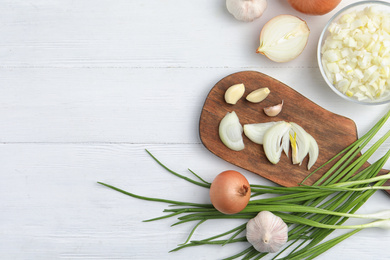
x=283 y=38
x=230 y=132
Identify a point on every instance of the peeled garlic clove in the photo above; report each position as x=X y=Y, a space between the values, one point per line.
x=258 y=95
x=230 y=132
x=273 y=110
x=302 y=143
x=272 y=139
x=313 y=151
x=267 y=232
x=246 y=10
x=256 y=132
x=283 y=38
x=234 y=93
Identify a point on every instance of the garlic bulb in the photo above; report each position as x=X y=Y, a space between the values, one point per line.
x=230 y=132
x=267 y=232
x=283 y=38
x=246 y=10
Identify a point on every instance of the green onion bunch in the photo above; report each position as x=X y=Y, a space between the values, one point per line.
x=312 y=212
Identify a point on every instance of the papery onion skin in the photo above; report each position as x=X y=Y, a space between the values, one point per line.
x=314 y=7
x=230 y=192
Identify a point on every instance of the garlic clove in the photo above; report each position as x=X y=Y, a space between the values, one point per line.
x=313 y=151
x=256 y=132
x=246 y=10
x=283 y=38
x=258 y=95
x=234 y=93
x=230 y=132
x=267 y=232
x=273 y=110
x=272 y=139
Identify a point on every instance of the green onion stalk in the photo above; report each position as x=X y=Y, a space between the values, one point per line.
x=312 y=212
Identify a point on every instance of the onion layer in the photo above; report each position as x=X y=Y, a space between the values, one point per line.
x=230 y=192
x=256 y=132
x=230 y=132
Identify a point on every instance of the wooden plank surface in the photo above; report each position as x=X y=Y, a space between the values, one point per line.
x=86 y=86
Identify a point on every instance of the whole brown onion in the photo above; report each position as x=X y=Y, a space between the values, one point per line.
x=230 y=192
x=314 y=7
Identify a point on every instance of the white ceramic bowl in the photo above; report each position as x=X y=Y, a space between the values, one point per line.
x=383 y=6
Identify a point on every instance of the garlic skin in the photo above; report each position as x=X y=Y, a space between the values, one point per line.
x=273 y=110
x=246 y=10
x=267 y=232
x=283 y=38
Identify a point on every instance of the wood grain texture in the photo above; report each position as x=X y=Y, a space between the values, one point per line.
x=131 y=34
x=332 y=132
x=86 y=86
x=52 y=207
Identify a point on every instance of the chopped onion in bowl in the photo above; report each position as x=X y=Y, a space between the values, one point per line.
x=356 y=54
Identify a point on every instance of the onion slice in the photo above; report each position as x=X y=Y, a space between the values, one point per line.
x=300 y=136
x=279 y=136
x=256 y=132
x=313 y=151
x=286 y=143
x=230 y=132
x=272 y=139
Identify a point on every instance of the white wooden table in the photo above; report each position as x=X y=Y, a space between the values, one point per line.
x=86 y=86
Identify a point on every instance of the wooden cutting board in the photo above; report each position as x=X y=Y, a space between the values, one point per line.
x=332 y=132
